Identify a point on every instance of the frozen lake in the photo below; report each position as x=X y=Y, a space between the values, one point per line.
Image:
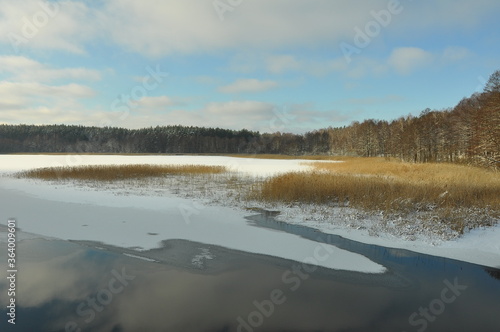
x=132 y=218
x=102 y=260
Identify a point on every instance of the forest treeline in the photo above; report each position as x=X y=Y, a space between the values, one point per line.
x=468 y=132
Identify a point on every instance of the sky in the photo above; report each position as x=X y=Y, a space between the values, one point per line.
x=266 y=65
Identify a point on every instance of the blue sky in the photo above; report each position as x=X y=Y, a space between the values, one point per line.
x=267 y=65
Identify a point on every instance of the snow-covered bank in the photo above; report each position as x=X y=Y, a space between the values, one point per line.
x=256 y=167
x=211 y=213
x=478 y=246
x=141 y=221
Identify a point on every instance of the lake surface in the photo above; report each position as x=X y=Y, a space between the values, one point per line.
x=189 y=286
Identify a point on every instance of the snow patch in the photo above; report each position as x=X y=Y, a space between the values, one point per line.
x=199 y=260
x=125 y=214
x=216 y=213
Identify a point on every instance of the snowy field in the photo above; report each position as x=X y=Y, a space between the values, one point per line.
x=141 y=217
x=139 y=221
x=256 y=167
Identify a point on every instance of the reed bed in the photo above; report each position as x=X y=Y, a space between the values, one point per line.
x=453 y=194
x=376 y=192
x=421 y=172
x=118 y=172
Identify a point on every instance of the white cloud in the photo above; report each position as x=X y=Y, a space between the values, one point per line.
x=204 y=79
x=25 y=69
x=155 y=105
x=53 y=115
x=320 y=67
x=193 y=26
x=249 y=114
x=456 y=53
x=54 y=25
x=154 y=102
x=282 y=64
x=37 y=90
x=313 y=119
x=159 y=28
x=255 y=110
x=40 y=103
x=278 y=64
x=407 y=59
x=27 y=97
x=248 y=85
x=458 y=15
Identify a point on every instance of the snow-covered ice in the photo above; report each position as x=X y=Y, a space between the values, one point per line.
x=131 y=219
x=257 y=167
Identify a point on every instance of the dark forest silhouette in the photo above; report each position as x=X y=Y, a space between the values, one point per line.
x=469 y=132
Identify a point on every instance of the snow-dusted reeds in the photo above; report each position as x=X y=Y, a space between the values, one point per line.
x=458 y=196
x=453 y=194
x=118 y=172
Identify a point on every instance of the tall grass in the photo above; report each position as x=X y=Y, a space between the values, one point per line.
x=410 y=171
x=454 y=194
x=118 y=172
x=376 y=192
x=459 y=196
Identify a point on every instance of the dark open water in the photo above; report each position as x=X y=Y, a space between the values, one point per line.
x=65 y=286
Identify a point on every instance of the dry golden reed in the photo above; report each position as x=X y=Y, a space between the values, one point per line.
x=453 y=192
x=458 y=195
x=375 y=192
x=440 y=174
x=118 y=172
